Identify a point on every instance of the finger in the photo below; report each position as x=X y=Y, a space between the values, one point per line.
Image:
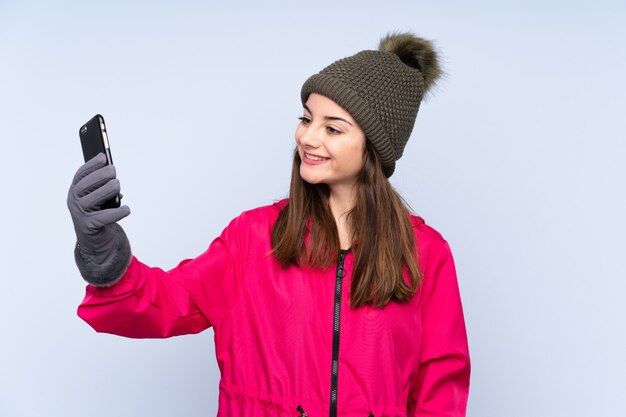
x=109 y=216
x=94 y=180
x=89 y=166
x=94 y=200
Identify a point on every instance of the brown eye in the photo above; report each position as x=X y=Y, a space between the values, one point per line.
x=332 y=130
x=304 y=120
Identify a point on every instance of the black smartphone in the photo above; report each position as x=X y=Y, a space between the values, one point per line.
x=94 y=139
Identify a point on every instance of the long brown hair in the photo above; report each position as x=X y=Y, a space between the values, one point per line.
x=384 y=242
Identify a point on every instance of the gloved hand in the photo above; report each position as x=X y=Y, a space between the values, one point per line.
x=102 y=252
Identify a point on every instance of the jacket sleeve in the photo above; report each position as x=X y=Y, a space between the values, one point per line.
x=442 y=384
x=149 y=302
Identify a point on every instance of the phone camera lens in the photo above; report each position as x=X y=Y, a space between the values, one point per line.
x=83 y=130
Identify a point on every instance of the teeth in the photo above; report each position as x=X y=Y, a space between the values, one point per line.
x=315 y=158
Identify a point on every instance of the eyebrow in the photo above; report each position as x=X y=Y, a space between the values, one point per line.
x=329 y=117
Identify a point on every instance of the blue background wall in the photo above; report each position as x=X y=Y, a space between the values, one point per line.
x=518 y=160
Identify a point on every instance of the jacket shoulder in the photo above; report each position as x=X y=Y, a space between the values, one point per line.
x=259 y=216
x=426 y=236
x=425 y=230
x=269 y=211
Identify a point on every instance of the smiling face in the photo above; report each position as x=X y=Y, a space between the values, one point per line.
x=330 y=143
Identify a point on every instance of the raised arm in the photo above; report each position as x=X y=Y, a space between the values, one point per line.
x=128 y=298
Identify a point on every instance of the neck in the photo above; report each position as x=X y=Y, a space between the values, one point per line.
x=341 y=200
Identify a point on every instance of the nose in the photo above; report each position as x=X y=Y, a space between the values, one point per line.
x=309 y=137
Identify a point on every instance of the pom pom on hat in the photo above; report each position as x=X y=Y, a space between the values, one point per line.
x=415 y=52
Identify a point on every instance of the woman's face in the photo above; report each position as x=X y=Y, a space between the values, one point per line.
x=330 y=143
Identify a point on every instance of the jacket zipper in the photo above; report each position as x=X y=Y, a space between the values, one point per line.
x=334 y=376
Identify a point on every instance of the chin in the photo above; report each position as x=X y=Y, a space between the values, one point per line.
x=311 y=179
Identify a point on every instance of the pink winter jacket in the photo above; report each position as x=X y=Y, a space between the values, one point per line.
x=287 y=342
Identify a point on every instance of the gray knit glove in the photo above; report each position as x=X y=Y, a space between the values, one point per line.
x=102 y=251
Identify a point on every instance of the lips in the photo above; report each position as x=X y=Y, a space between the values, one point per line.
x=314 y=157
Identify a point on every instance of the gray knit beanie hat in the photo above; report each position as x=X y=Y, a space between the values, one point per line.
x=382 y=90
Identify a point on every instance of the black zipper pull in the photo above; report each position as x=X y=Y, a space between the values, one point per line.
x=301 y=411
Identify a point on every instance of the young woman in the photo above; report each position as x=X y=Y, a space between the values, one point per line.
x=336 y=301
